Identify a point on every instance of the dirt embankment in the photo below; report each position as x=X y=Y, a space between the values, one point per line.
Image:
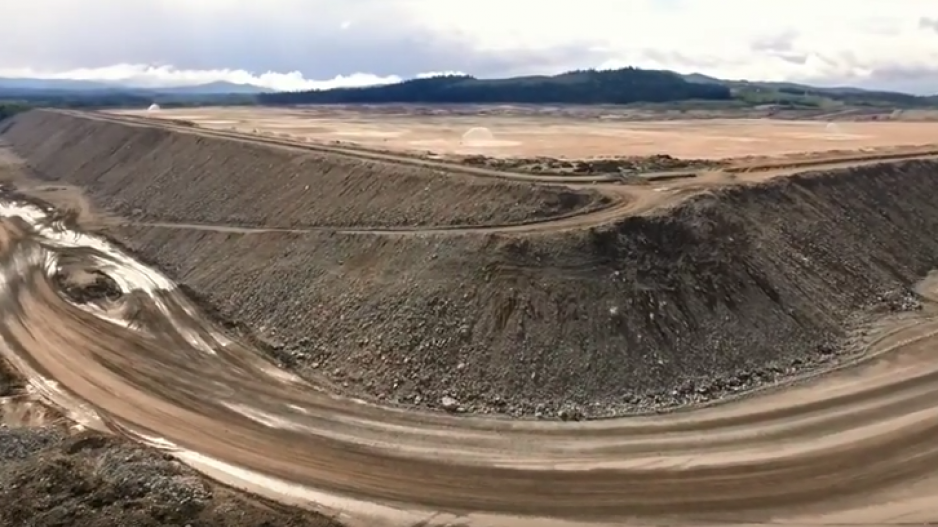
x=50 y=479
x=153 y=174
x=726 y=292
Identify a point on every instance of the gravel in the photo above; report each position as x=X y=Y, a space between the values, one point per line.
x=50 y=479
x=723 y=294
x=17 y=444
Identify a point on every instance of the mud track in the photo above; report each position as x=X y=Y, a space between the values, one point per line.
x=854 y=447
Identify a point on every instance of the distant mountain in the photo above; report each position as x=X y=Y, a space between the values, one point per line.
x=219 y=87
x=700 y=78
x=622 y=86
x=790 y=93
x=21 y=85
x=51 y=84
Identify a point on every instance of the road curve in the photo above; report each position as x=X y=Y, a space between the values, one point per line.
x=857 y=446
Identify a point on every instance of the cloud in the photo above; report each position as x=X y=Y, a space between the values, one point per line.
x=142 y=75
x=307 y=42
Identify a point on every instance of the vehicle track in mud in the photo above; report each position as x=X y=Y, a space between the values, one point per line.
x=853 y=447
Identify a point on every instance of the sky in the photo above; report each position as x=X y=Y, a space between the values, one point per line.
x=302 y=44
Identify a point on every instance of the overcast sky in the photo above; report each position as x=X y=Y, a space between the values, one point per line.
x=288 y=44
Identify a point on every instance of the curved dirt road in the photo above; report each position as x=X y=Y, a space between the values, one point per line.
x=856 y=447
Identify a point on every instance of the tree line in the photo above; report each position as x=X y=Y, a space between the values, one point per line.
x=622 y=86
x=9 y=109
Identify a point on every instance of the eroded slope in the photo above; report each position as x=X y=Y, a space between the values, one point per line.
x=153 y=174
x=727 y=291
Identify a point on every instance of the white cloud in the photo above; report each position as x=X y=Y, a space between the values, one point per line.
x=874 y=43
x=142 y=75
x=832 y=39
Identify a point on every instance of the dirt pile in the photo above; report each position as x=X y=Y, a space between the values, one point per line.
x=50 y=479
x=152 y=174
x=619 y=165
x=726 y=292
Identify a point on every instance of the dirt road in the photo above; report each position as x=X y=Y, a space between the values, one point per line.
x=854 y=447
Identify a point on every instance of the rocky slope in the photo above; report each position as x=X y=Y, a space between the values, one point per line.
x=48 y=479
x=153 y=174
x=727 y=291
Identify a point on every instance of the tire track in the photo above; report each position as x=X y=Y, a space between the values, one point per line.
x=857 y=445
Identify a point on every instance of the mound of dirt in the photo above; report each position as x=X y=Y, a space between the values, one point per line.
x=49 y=479
x=726 y=292
x=619 y=165
x=153 y=174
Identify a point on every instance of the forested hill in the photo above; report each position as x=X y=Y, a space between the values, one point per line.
x=622 y=86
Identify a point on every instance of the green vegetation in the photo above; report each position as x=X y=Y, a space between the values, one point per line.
x=794 y=95
x=624 y=86
x=11 y=108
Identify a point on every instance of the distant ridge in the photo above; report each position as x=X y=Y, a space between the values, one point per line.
x=620 y=86
x=21 y=85
x=804 y=93
x=615 y=87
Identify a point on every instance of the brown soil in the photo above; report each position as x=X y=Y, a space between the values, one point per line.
x=51 y=477
x=8 y=381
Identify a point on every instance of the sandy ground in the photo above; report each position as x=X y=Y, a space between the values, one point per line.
x=573 y=136
x=854 y=446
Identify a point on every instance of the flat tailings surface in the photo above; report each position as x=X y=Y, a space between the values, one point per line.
x=722 y=293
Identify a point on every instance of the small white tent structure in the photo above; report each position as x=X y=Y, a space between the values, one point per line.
x=153 y=108
x=478 y=136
